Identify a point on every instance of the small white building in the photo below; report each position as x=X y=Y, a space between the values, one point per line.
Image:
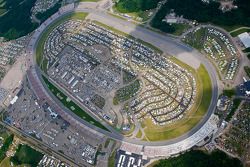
x=171 y=20
x=245 y=39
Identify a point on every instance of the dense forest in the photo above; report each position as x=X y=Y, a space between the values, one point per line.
x=205 y=13
x=127 y=6
x=43 y=16
x=200 y=159
x=16 y=22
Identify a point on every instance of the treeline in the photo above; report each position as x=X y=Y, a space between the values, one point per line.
x=203 y=12
x=16 y=22
x=127 y=6
x=201 y=159
x=158 y=22
x=10 y=4
x=26 y=155
x=5 y=147
x=45 y=15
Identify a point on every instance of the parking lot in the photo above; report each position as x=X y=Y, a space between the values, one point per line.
x=39 y=119
x=219 y=49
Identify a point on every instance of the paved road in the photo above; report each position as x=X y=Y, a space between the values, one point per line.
x=167 y=44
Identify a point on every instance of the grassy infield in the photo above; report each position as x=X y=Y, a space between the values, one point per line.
x=152 y=132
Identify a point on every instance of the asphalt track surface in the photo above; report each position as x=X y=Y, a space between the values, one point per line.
x=167 y=44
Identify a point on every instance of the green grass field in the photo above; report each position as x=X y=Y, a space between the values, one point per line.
x=180 y=28
x=6 y=163
x=240 y=31
x=139 y=134
x=193 y=117
x=49 y=29
x=196 y=39
x=111 y=160
x=26 y=155
x=71 y=105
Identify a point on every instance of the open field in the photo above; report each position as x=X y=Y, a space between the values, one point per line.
x=72 y=106
x=45 y=34
x=239 y=31
x=111 y=160
x=180 y=28
x=197 y=39
x=139 y=134
x=156 y=133
x=140 y=16
x=6 y=163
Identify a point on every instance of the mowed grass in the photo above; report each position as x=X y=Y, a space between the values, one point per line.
x=72 y=106
x=240 y=31
x=26 y=155
x=192 y=118
x=139 y=134
x=6 y=163
x=48 y=30
x=196 y=39
x=180 y=28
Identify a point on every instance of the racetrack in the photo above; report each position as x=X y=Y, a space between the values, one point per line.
x=167 y=44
